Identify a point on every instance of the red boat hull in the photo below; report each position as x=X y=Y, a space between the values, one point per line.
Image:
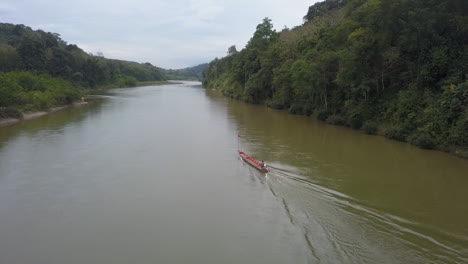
x=253 y=162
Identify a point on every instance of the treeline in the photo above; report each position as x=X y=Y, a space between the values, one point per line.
x=394 y=67
x=23 y=49
x=39 y=70
x=26 y=91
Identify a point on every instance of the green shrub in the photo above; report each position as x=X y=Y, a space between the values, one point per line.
x=369 y=127
x=355 y=121
x=6 y=112
x=322 y=115
x=299 y=109
x=29 y=91
x=336 y=120
x=459 y=133
x=395 y=133
x=422 y=140
x=126 y=81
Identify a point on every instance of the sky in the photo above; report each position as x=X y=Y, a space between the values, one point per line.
x=167 y=33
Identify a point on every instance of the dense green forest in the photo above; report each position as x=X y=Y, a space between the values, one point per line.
x=40 y=70
x=393 y=67
x=24 y=49
x=26 y=91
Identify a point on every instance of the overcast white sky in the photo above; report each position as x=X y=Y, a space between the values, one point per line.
x=166 y=33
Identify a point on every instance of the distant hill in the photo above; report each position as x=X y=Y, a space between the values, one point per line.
x=191 y=73
x=37 y=51
x=39 y=70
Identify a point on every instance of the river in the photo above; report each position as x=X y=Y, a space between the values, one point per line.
x=152 y=175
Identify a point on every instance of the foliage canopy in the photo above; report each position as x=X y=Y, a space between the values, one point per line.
x=395 y=66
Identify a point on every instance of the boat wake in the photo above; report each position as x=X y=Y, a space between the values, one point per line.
x=359 y=233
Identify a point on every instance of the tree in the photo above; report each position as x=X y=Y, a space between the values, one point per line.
x=9 y=59
x=232 y=50
x=32 y=52
x=263 y=35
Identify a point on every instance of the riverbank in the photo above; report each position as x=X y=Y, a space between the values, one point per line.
x=365 y=126
x=103 y=88
x=149 y=83
x=349 y=67
x=372 y=128
x=380 y=130
x=32 y=115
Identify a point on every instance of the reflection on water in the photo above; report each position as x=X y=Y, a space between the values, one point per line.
x=365 y=198
x=152 y=175
x=51 y=123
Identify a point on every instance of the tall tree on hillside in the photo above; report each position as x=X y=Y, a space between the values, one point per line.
x=32 y=52
x=9 y=59
x=263 y=35
x=232 y=50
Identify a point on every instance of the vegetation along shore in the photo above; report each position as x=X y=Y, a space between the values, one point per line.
x=39 y=71
x=395 y=68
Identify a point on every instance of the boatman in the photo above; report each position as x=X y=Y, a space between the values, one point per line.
x=263 y=164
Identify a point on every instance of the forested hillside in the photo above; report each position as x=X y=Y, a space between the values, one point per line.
x=39 y=70
x=395 y=67
x=194 y=73
x=24 y=49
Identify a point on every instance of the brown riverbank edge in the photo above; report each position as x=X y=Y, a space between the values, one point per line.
x=460 y=152
x=105 y=88
x=28 y=116
x=150 y=83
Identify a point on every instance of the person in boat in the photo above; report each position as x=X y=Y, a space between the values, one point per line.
x=263 y=164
